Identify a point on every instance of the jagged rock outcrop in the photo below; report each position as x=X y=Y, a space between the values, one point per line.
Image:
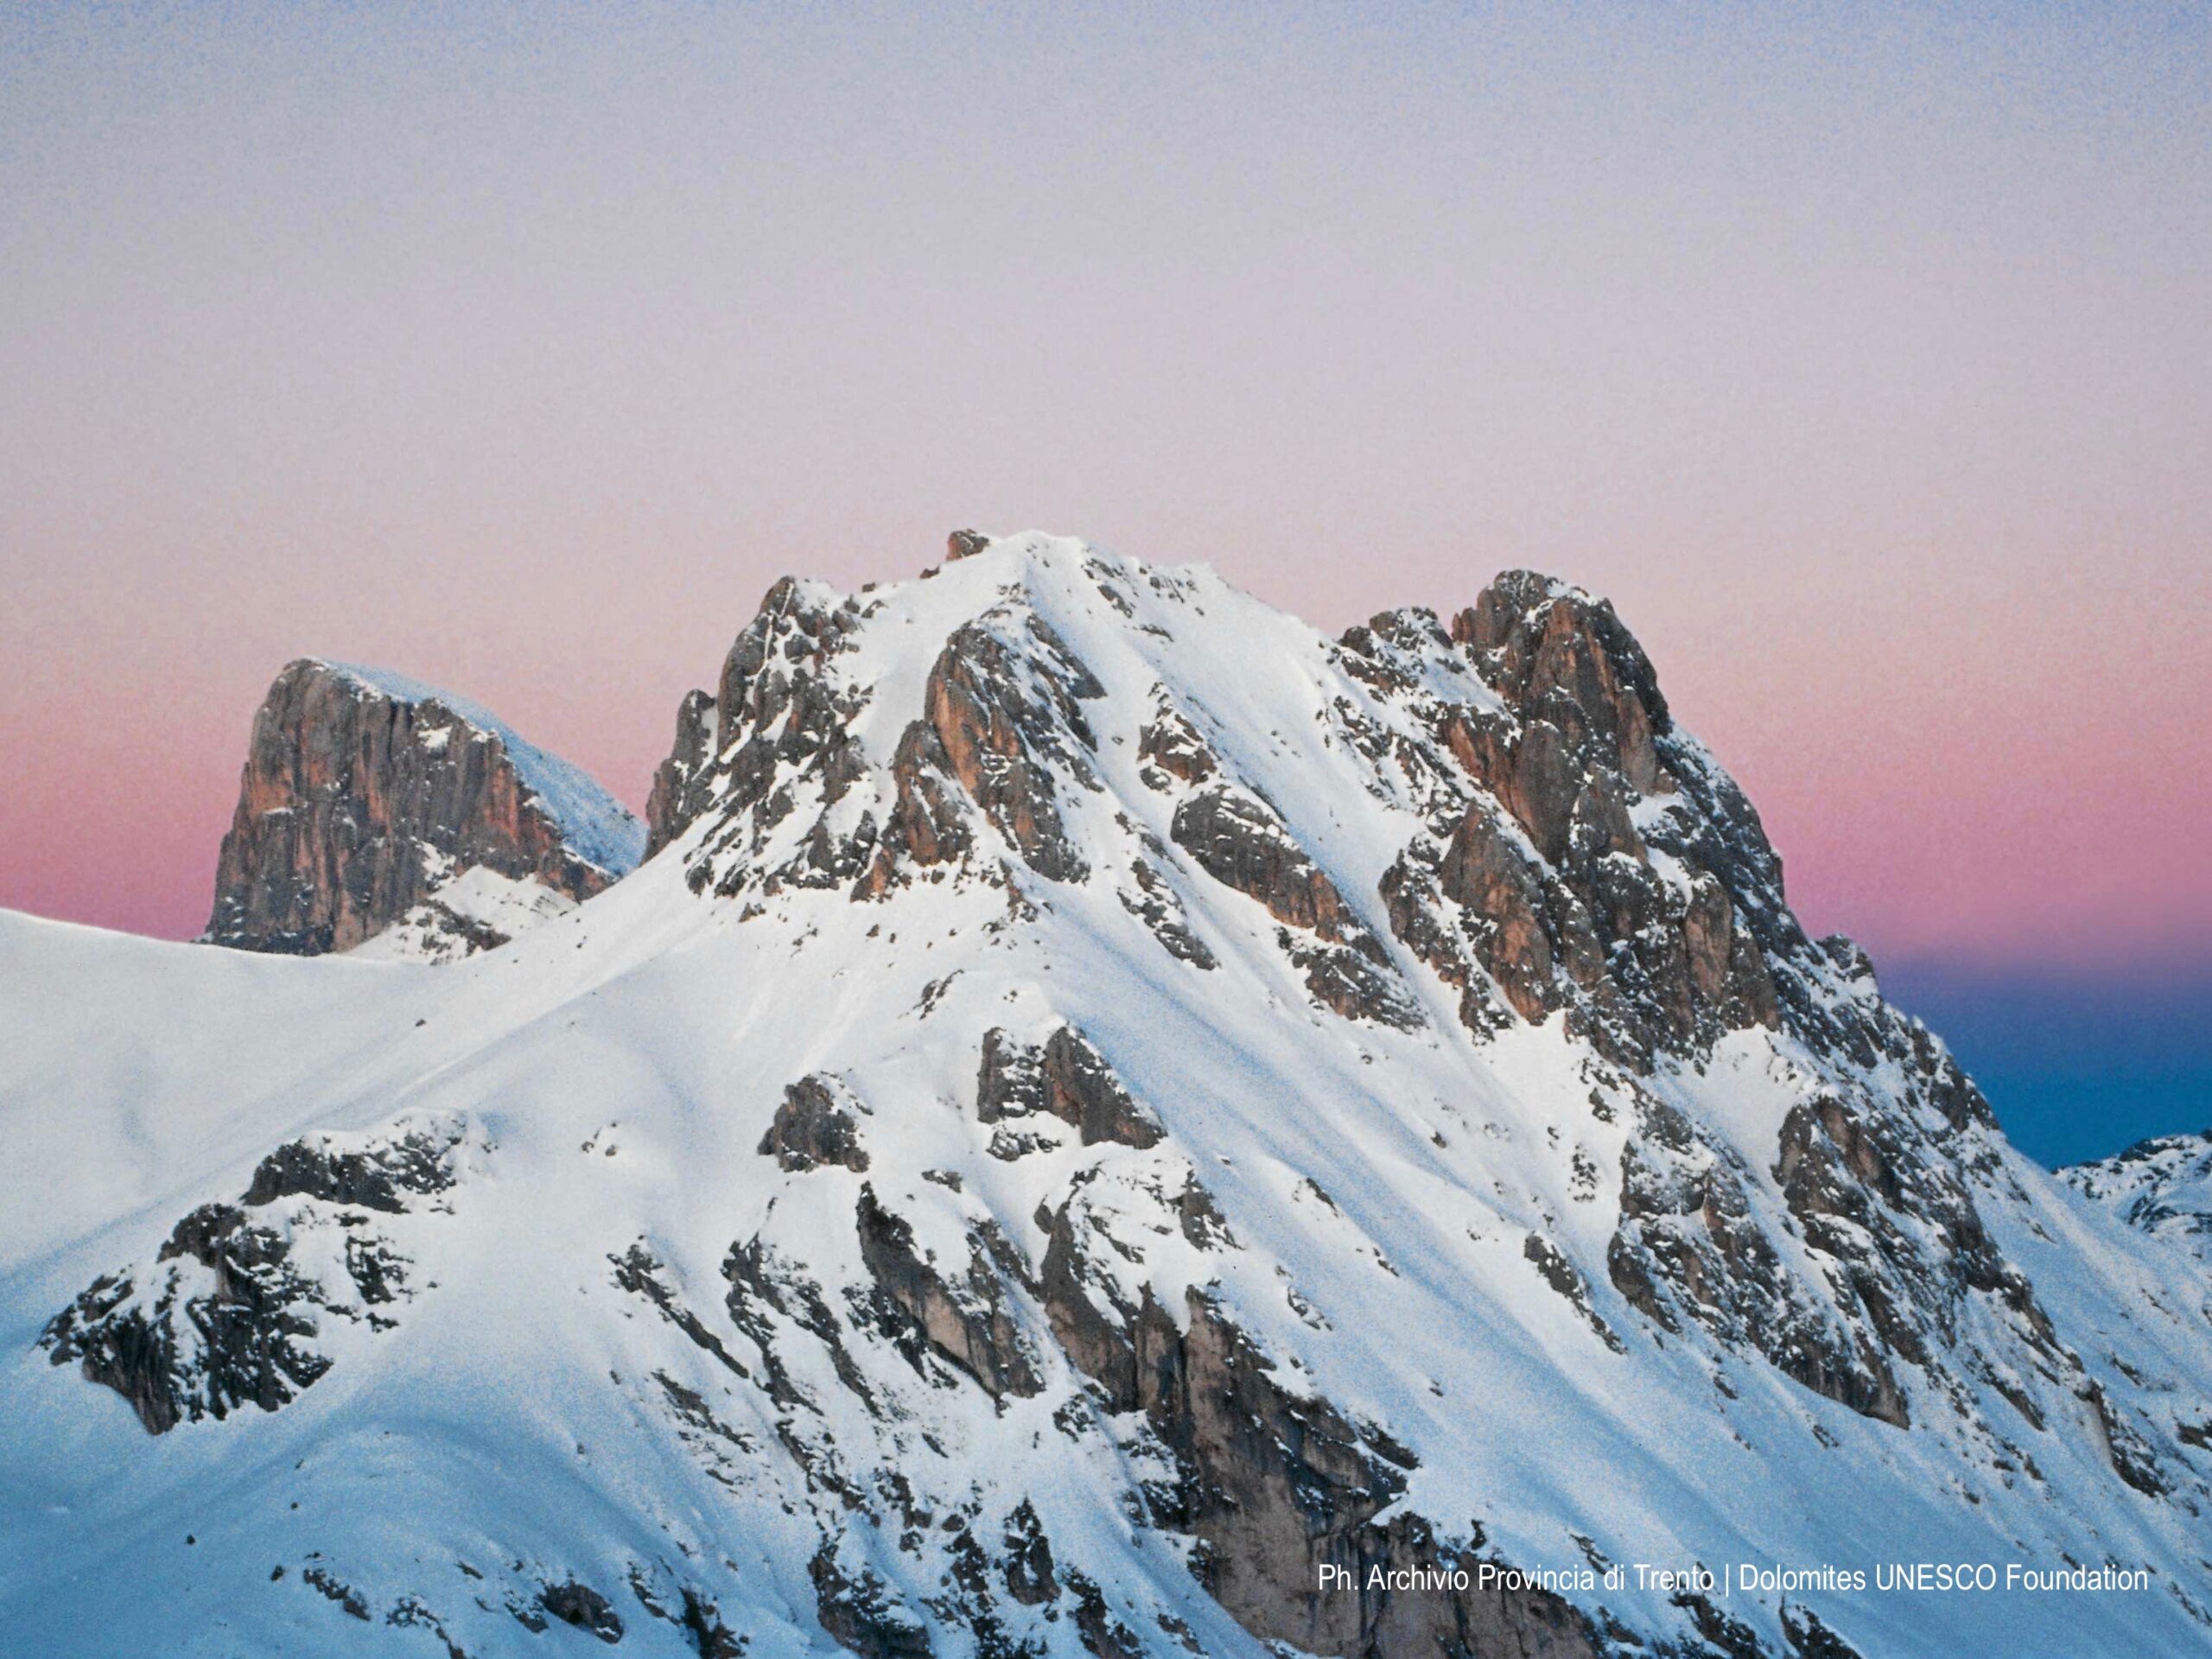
x=1687 y=1222
x=1151 y=897
x=1064 y=1076
x=365 y=797
x=1237 y=838
x=245 y=1325
x=1003 y=718
x=1171 y=744
x=679 y=790
x=1001 y=728
x=816 y=1125
x=778 y=726
x=964 y=545
x=859 y=1615
x=1278 y=1487
x=1600 y=867
x=228 y=1312
x=1595 y=865
x=1239 y=841
x=580 y=1605
x=964 y=1320
x=388 y=1174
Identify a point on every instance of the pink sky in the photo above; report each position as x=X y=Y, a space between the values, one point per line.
x=1867 y=367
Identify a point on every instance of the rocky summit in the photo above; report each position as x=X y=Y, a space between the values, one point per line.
x=373 y=807
x=1111 y=1123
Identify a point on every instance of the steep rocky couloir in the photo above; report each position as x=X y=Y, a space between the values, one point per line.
x=364 y=796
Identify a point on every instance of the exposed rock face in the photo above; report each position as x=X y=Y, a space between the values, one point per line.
x=814 y=1126
x=584 y=1607
x=364 y=796
x=1687 y=1222
x=680 y=782
x=1240 y=841
x=245 y=1326
x=389 y=1174
x=228 y=1312
x=998 y=711
x=777 y=728
x=1567 y=877
x=859 y=1617
x=1237 y=839
x=1065 y=1076
x=1557 y=652
x=1029 y=1576
x=1277 y=1486
x=1172 y=745
x=1001 y=730
x=1602 y=868
x=963 y=1320
x=1151 y=897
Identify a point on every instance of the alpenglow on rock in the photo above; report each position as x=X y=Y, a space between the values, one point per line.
x=1115 y=1127
x=374 y=808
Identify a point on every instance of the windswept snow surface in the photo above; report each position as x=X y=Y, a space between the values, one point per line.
x=527 y=1416
x=598 y=827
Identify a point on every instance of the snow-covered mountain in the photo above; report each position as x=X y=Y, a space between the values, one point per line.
x=377 y=811
x=1106 y=1111
x=2162 y=1185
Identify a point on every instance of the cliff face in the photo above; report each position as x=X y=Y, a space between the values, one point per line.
x=678 y=783
x=365 y=797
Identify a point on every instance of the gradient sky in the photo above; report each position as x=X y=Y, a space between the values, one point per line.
x=1863 y=357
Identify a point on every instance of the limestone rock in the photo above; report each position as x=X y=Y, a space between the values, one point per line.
x=364 y=795
x=814 y=1125
x=1065 y=1076
x=679 y=792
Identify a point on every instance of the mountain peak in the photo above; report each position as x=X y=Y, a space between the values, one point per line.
x=1106 y=1109
x=1559 y=651
x=366 y=793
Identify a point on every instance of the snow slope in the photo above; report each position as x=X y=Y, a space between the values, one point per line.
x=475 y=904
x=654 y=1331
